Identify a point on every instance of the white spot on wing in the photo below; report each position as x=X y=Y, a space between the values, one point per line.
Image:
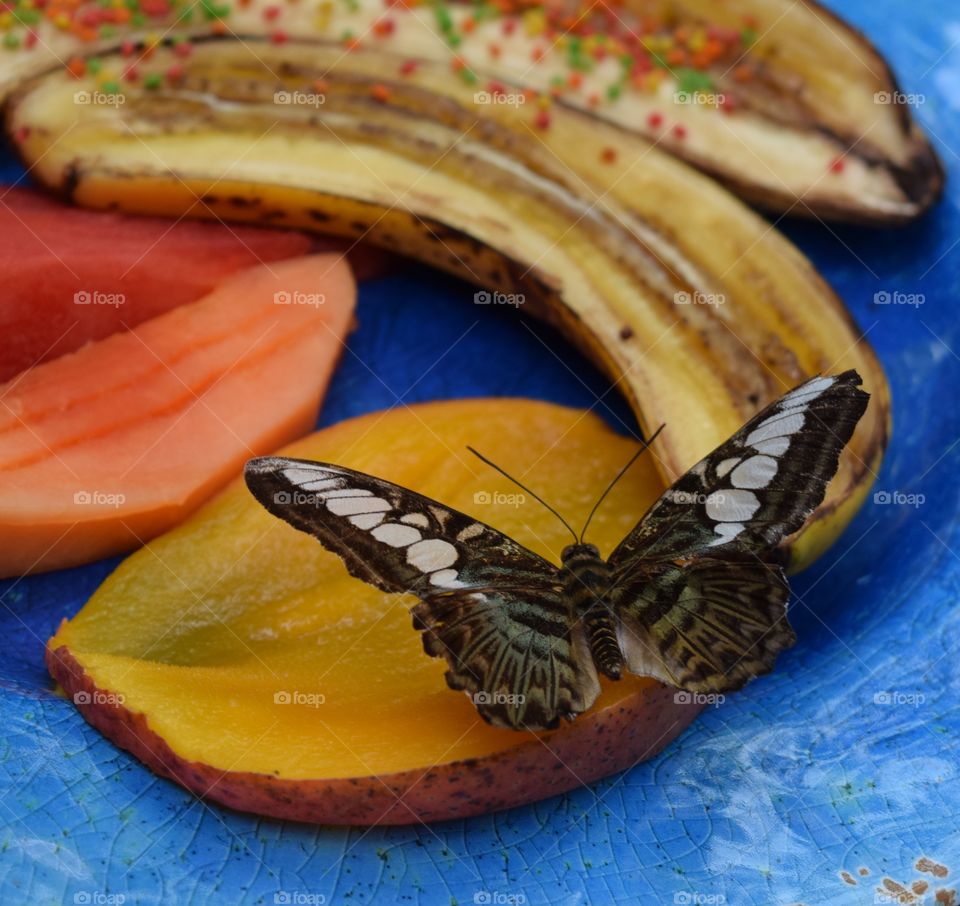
x=416 y=519
x=347 y=492
x=447 y=578
x=805 y=393
x=726 y=531
x=396 y=535
x=731 y=505
x=779 y=425
x=755 y=472
x=432 y=554
x=320 y=484
x=299 y=474
x=471 y=531
x=726 y=466
x=367 y=521
x=776 y=446
x=350 y=506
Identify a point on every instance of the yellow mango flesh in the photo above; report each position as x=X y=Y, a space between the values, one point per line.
x=249 y=648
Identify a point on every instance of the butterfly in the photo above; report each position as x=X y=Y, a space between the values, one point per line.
x=694 y=596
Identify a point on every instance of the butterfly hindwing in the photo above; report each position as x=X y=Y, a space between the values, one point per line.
x=707 y=626
x=516 y=653
x=489 y=606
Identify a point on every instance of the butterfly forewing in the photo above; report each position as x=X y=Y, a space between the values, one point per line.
x=759 y=486
x=489 y=606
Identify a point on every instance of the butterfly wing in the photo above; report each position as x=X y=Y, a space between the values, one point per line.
x=707 y=626
x=759 y=486
x=489 y=606
x=701 y=600
x=515 y=651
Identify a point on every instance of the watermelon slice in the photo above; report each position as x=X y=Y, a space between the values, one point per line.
x=71 y=276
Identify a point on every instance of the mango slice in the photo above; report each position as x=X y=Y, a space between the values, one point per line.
x=236 y=656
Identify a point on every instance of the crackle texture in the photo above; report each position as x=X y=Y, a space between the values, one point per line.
x=811 y=786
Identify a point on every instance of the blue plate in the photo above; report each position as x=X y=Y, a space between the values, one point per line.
x=843 y=760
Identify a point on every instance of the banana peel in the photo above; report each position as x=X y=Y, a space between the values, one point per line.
x=698 y=311
x=781 y=101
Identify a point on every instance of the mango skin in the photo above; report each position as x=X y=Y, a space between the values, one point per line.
x=181 y=653
x=598 y=744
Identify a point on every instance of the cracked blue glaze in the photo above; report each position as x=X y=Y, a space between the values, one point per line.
x=845 y=759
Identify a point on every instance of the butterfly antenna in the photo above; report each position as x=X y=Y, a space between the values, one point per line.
x=536 y=497
x=619 y=475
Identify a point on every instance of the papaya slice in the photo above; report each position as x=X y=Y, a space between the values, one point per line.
x=108 y=446
x=240 y=659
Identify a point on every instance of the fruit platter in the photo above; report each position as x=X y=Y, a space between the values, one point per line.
x=479 y=452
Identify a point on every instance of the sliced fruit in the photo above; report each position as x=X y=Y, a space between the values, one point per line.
x=240 y=659
x=699 y=311
x=103 y=272
x=104 y=448
x=782 y=101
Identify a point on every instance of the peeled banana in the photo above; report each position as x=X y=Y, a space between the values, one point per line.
x=698 y=310
x=782 y=101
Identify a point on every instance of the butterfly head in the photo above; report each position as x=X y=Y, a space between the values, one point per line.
x=574 y=552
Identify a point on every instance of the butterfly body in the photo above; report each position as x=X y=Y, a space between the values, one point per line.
x=693 y=596
x=586 y=586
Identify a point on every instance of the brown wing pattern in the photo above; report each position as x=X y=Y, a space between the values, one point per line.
x=489 y=606
x=702 y=603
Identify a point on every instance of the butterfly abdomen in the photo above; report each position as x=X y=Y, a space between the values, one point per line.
x=586 y=582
